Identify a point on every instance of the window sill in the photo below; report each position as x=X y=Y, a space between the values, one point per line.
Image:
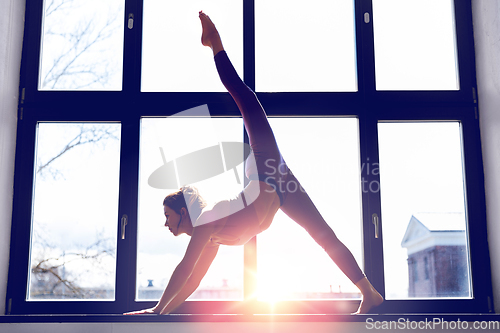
x=179 y=318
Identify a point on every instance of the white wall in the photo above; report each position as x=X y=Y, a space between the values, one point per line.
x=11 y=36
x=487 y=39
x=487 y=33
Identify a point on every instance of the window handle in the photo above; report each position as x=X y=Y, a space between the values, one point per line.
x=124 y=223
x=375 y=223
x=130 y=22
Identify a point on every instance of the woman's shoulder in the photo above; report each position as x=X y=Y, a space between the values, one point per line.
x=215 y=213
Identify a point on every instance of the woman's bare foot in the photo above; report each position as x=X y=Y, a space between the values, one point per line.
x=369 y=302
x=371 y=297
x=210 y=36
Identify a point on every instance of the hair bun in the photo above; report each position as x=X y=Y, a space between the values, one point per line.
x=191 y=195
x=186 y=197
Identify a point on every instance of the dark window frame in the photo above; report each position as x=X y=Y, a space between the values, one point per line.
x=127 y=107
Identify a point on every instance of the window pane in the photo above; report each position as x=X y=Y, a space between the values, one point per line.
x=305 y=46
x=159 y=252
x=173 y=58
x=423 y=212
x=291 y=265
x=75 y=212
x=415 y=45
x=82 y=45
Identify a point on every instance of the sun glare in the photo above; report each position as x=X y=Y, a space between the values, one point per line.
x=272 y=289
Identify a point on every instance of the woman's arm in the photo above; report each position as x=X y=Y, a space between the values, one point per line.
x=183 y=271
x=201 y=268
x=199 y=239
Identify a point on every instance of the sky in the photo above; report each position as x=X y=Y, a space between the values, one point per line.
x=298 y=48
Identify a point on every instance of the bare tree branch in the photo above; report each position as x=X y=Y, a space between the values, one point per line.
x=85 y=136
x=51 y=267
x=53 y=7
x=85 y=38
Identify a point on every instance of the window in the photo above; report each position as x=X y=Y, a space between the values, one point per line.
x=426 y=268
x=415 y=45
x=384 y=138
x=155 y=244
x=331 y=178
x=321 y=37
x=422 y=190
x=73 y=246
x=81 y=45
x=414 y=269
x=179 y=63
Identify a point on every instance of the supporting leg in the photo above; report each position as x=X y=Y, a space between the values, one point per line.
x=300 y=208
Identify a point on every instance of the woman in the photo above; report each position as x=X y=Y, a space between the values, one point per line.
x=265 y=193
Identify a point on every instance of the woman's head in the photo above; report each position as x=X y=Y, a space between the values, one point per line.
x=186 y=197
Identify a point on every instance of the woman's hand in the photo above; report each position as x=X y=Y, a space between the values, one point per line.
x=145 y=311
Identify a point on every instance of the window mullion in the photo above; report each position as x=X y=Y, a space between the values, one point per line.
x=370 y=191
x=250 y=249
x=126 y=262
x=365 y=48
x=132 y=47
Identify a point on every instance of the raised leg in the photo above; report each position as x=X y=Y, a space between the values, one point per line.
x=210 y=36
x=261 y=136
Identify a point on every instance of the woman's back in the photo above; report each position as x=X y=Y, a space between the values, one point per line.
x=235 y=223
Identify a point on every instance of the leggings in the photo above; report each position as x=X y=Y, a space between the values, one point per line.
x=297 y=204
